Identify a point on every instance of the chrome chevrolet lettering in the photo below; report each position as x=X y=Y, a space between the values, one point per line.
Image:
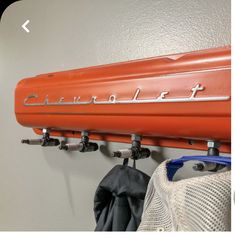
x=112 y=99
x=196 y=89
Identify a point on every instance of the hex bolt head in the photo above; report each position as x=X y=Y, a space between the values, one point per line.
x=213 y=144
x=84 y=133
x=135 y=137
x=45 y=131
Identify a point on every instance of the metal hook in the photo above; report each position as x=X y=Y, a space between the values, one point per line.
x=83 y=146
x=45 y=141
x=135 y=152
x=213 y=150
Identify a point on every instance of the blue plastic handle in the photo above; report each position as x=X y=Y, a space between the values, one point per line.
x=175 y=164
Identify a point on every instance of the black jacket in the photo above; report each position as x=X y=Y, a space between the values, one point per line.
x=119 y=199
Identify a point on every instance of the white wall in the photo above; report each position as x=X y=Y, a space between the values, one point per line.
x=44 y=188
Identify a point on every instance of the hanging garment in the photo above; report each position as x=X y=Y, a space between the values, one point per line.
x=119 y=199
x=195 y=204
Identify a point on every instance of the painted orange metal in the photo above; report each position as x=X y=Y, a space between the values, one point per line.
x=169 y=124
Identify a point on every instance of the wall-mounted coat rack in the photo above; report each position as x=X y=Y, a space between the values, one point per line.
x=180 y=100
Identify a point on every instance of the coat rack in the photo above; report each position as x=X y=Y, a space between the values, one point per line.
x=180 y=101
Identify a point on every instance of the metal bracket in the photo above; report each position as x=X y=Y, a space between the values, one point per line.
x=135 y=152
x=45 y=141
x=213 y=150
x=83 y=146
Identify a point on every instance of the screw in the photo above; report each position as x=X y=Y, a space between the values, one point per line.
x=213 y=144
x=135 y=137
x=84 y=133
x=45 y=131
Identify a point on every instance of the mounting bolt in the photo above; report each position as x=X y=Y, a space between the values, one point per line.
x=84 y=133
x=45 y=131
x=135 y=137
x=213 y=144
